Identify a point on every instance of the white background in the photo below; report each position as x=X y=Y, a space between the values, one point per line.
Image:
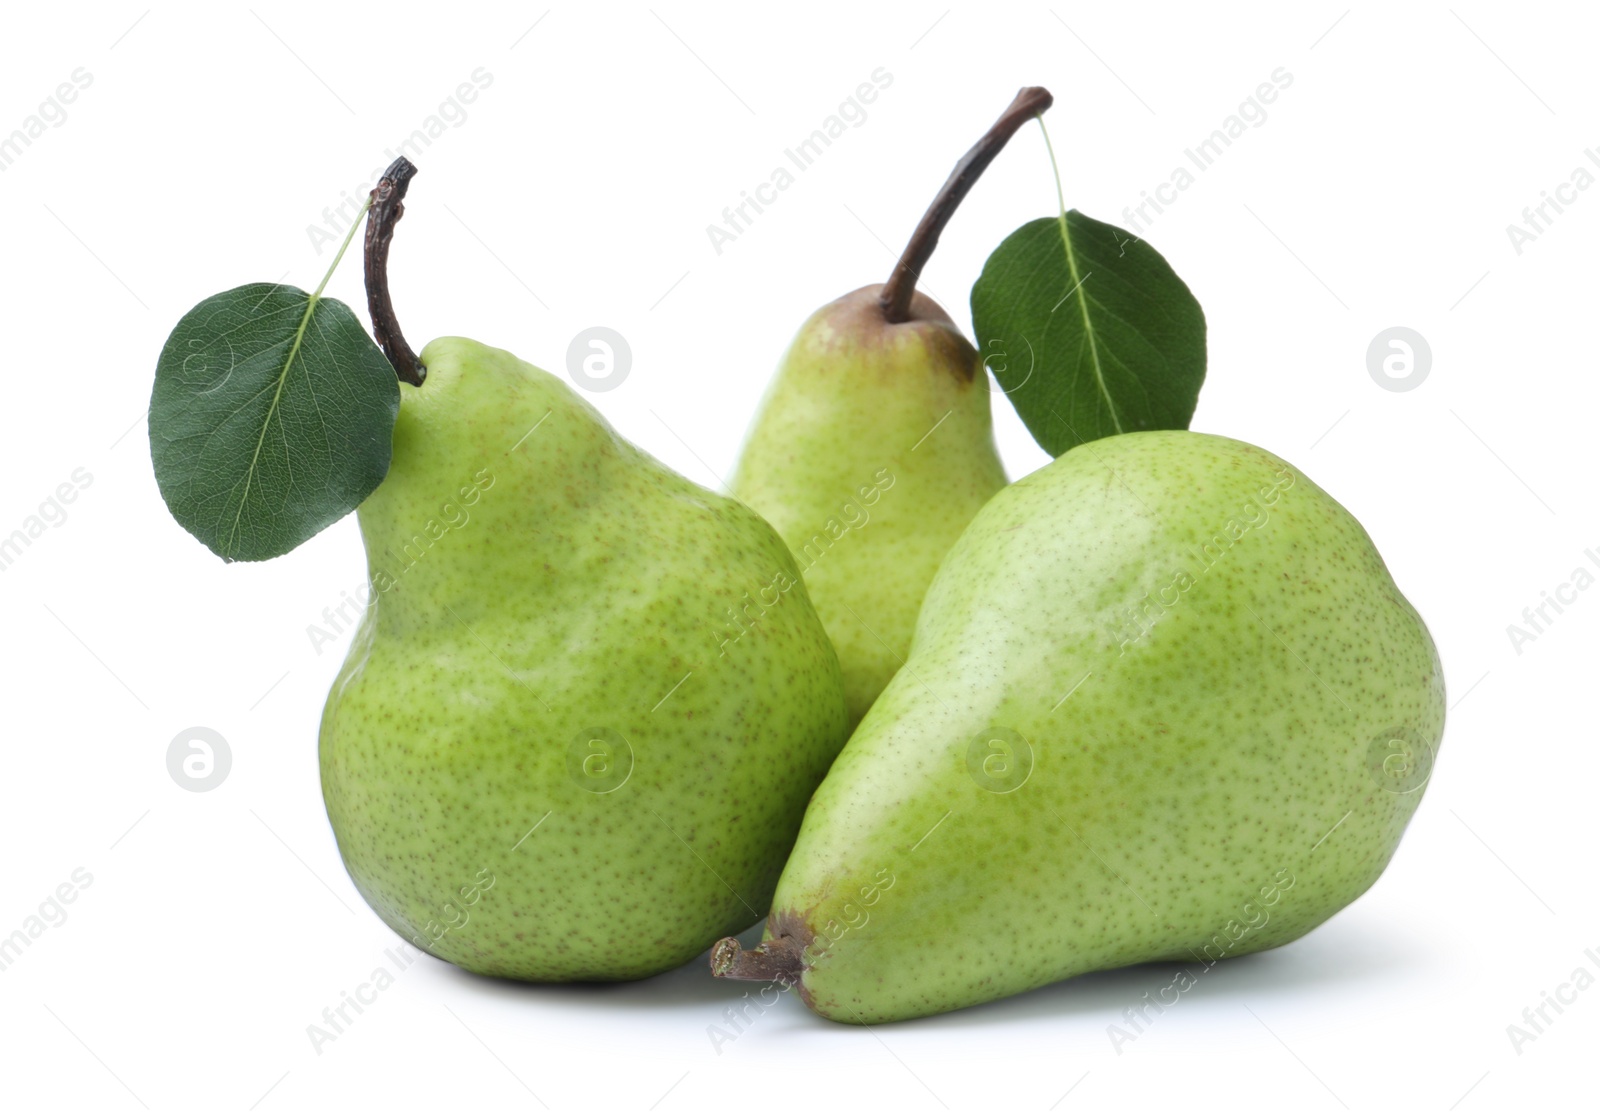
x=577 y=192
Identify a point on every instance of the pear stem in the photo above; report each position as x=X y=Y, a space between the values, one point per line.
x=896 y=296
x=775 y=959
x=387 y=206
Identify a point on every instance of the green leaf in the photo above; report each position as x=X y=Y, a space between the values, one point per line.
x=1089 y=332
x=271 y=418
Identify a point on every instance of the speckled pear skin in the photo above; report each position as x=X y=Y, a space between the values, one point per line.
x=1208 y=788
x=871 y=452
x=585 y=591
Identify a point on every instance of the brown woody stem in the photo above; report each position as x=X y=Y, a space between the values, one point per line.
x=896 y=296
x=775 y=959
x=388 y=206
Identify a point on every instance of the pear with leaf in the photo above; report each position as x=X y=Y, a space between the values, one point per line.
x=557 y=695
x=567 y=744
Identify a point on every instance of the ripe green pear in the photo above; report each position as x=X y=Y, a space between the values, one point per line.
x=871 y=452
x=588 y=701
x=1164 y=703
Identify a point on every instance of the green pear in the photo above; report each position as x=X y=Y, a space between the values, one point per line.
x=1164 y=703
x=871 y=452
x=582 y=715
x=873 y=448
